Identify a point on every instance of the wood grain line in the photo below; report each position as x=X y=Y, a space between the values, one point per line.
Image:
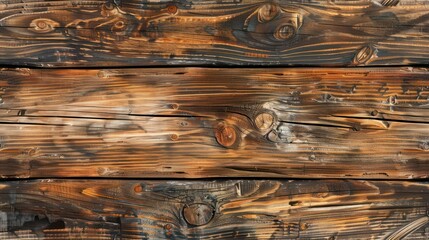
x=369 y=123
x=228 y=32
x=250 y=209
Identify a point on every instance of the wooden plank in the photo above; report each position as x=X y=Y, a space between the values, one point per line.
x=54 y=33
x=234 y=209
x=205 y=122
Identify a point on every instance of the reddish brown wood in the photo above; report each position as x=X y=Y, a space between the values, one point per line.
x=226 y=135
x=208 y=122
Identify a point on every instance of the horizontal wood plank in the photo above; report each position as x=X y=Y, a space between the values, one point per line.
x=368 y=123
x=233 y=209
x=54 y=33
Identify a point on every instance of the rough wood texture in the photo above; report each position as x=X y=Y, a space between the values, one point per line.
x=135 y=32
x=196 y=122
x=114 y=209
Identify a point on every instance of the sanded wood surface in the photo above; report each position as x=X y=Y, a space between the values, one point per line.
x=365 y=123
x=237 y=32
x=234 y=209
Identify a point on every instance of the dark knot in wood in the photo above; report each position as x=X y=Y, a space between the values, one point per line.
x=226 y=135
x=271 y=24
x=284 y=32
x=174 y=106
x=119 y=26
x=364 y=55
x=198 y=214
x=109 y=9
x=172 y=9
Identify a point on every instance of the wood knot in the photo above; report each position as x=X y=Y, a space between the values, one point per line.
x=226 y=135
x=174 y=137
x=364 y=55
x=21 y=112
x=284 y=32
x=119 y=26
x=264 y=121
x=303 y=226
x=321 y=194
x=103 y=74
x=167 y=226
x=138 y=188
x=168 y=229
x=109 y=9
x=32 y=151
x=198 y=214
x=174 y=106
x=295 y=203
x=268 y=12
x=43 y=25
x=172 y=9
x=392 y=100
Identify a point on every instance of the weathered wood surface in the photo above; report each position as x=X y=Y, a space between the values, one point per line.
x=200 y=122
x=134 y=32
x=239 y=209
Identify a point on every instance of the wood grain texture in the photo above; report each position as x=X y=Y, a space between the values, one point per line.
x=54 y=33
x=368 y=123
x=234 y=209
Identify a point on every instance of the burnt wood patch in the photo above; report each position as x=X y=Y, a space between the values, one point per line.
x=202 y=32
x=233 y=209
x=366 y=123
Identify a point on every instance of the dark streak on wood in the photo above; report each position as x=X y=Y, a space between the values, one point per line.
x=304 y=123
x=233 y=32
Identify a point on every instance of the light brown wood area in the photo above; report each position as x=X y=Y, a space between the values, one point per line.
x=235 y=32
x=367 y=123
x=234 y=209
